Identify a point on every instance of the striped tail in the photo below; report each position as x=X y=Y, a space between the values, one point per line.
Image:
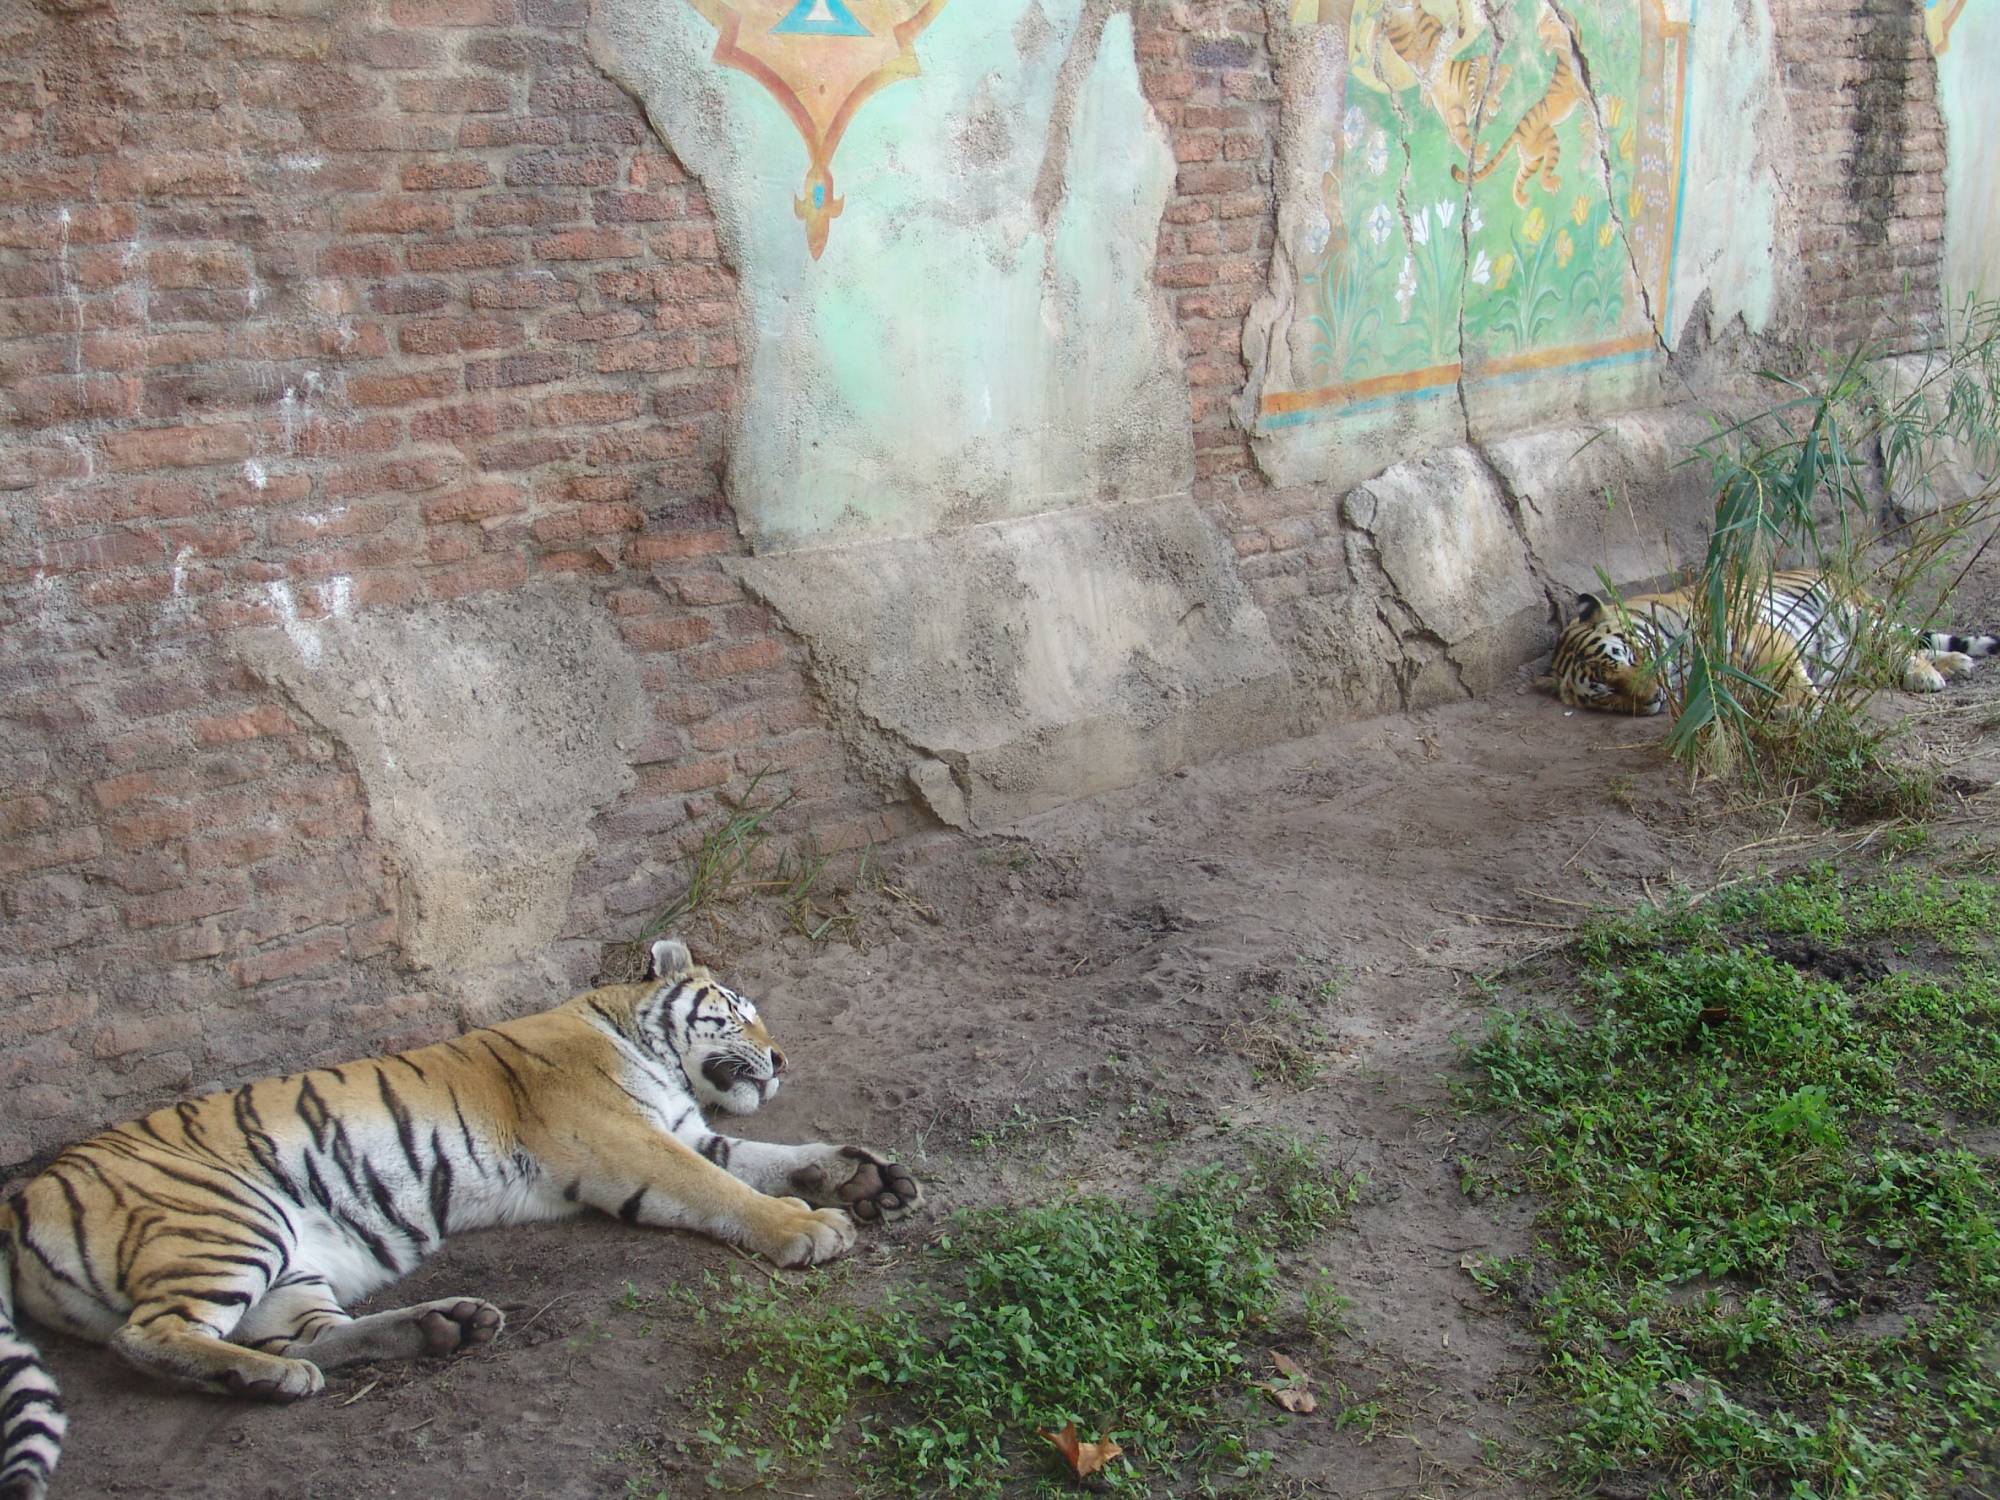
x=31 y=1410
x=1970 y=645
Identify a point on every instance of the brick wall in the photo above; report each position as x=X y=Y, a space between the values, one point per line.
x=1210 y=74
x=310 y=305
x=325 y=305
x=1861 y=86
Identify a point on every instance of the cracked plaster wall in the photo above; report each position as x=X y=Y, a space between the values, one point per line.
x=979 y=336
x=1439 y=282
x=1968 y=59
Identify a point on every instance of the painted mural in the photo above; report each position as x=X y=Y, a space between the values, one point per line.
x=821 y=60
x=1500 y=195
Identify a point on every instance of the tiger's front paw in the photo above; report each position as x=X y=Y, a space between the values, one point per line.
x=870 y=1187
x=815 y=1236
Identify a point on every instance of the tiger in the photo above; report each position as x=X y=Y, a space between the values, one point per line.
x=1455 y=86
x=216 y=1243
x=1610 y=658
x=1534 y=135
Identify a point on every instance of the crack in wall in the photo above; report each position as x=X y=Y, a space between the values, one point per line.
x=1600 y=130
x=1489 y=99
x=1513 y=504
x=1052 y=181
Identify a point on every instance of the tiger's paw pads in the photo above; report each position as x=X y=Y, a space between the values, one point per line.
x=825 y=1234
x=293 y=1380
x=878 y=1188
x=466 y=1323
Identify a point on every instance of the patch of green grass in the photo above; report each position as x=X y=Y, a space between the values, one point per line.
x=1739 y=1159
x=718 y=862
x=1128 y=1320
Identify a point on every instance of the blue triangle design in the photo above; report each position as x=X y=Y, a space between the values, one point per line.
x=820 y=18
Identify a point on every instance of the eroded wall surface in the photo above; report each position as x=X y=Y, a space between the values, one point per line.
x=454 y=450
x=944 y=218
x=1965 y=37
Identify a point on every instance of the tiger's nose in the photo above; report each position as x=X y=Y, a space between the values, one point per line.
x=777 y=1062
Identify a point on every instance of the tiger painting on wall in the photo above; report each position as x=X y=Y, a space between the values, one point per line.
x=217 y=1243
x=1629 y=658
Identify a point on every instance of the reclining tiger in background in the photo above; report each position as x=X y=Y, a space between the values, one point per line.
x=215 y=1243
x=1609 y=657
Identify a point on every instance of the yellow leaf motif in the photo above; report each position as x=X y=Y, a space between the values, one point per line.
x=1635 y=206
x=1614 y=111
x=1502 y=269
x=1580 y=210
x=1604 y=234
x=1564 y=248
x=1625 y=147
x=1534 y=226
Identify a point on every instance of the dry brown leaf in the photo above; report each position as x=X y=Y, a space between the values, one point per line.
x=1292 y=1396
x=1294 y=1399
x=1085 y=1459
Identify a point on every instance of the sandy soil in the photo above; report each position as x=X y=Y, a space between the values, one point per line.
x=1084 y=1006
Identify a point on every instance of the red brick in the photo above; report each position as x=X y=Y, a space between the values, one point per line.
x=665 y=632
x=66 y=846
x=518 y=370
x=398 y=216
x=465 y=255
x=589 y=244
x=229 y=893
x=453 y=12
x=734 y=661
x=589 y=408
x=249 y=724
x=480 y=502
x=689 y=777
x=673 y=546
x=401 y=390
x=178 y=447
x=115 y=792
x=436 y=176
x=289 y=960
x=457 y=96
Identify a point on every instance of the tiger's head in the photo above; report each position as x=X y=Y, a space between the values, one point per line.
x=714 y=1033
x=1598 y=664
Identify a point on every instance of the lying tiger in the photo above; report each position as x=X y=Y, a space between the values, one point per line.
x=1609 y=657
x=216 y=1244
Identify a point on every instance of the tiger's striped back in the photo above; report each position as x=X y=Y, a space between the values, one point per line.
x=1804 y=632
x=215 y=1243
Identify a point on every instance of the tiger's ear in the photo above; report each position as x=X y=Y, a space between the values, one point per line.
x=1588 y=607
x=670 y=959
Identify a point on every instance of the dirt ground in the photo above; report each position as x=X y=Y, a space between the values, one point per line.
x=1085 y=1006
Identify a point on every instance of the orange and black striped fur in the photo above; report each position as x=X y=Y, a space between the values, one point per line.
x=216 y=1243
x=1534 y=135
x=1455 y=86
x=1626 y=659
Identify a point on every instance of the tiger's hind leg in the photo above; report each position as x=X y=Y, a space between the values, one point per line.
x=300 y=1319
x=183 y=1339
